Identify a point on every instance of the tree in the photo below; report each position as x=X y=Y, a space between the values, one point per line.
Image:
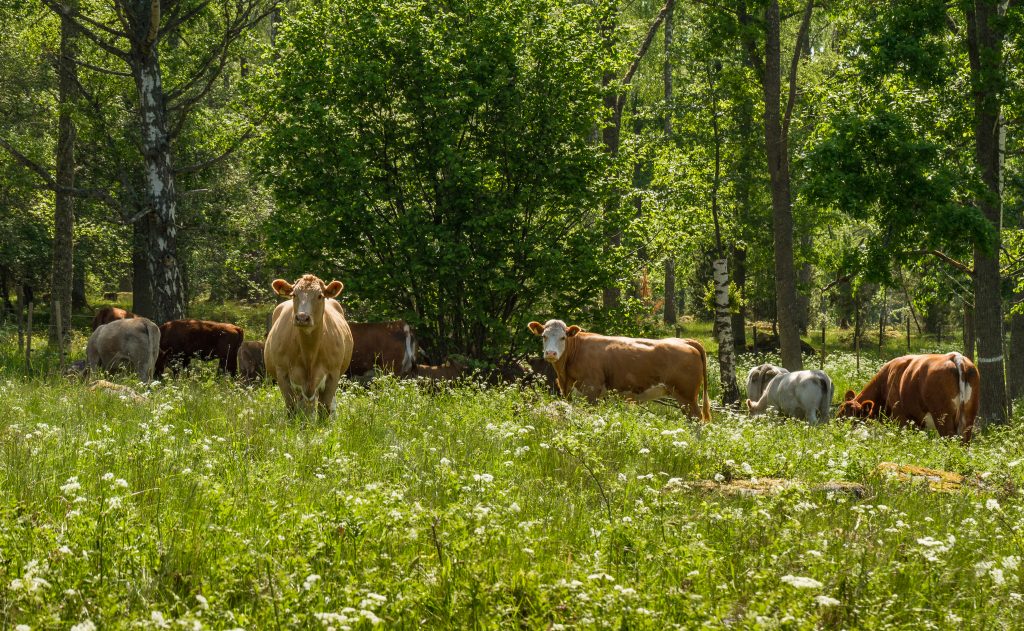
x=441 y=166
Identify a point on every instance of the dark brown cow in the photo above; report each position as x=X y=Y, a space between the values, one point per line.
x=250 y=361
x=109 y=314
x=640 y=369
x=938 y=392
x=184 y=339
x=389 y=346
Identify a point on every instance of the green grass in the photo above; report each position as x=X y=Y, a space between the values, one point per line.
x=483 y=508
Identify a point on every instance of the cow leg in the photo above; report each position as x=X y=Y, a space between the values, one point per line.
x=328 y=405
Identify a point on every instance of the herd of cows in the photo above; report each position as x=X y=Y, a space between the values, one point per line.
x=310 y=345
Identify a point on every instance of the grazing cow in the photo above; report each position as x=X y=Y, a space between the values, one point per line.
x=109 y=314
x=937 y=392
x=759 y=377
x=132 y=340
x=310 y=343
x=250 y=361
x=804 y=394
x=184 y=339
x=389 y=346
x=641 y=369
x=449 y=371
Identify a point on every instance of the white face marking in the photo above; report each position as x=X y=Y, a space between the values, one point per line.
x=929 y=421
x=554 y=337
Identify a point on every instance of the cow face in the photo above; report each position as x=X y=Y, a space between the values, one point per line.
x=555 y=333
x=308 y=295
x=852 y=408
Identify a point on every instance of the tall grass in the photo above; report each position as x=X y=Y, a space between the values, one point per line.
x=205 y=506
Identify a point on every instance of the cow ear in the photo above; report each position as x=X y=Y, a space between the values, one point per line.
x=573 y=330
x=333 y=288
x=850 y=394
x=536 y=328
x=868 y=407
x=282 y=287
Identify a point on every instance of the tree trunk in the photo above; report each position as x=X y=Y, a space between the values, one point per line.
x=1015 y=364
x=969 y=331
x=739 y=315
x=985 y=51
x=79 y=301
x=723 y=328
x=165 y=276
x=62 y=269
x=142 y=287
x=671 y=315
x=782 y=212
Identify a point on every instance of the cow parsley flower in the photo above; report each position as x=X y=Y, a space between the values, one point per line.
x=107 y=477
x=86 y=625
x=70 y=486
x=802 y=582
x=485 y=478
x=992 y=504
x=310 y=581
x=826 y=601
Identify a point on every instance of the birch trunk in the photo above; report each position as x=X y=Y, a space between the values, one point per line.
x=165 y=276
x=723 y=331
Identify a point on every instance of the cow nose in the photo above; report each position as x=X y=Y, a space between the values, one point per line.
x=302 y=318
x=550 y=355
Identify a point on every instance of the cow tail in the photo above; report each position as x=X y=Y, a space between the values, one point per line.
x=962 y=390
x=706 y=412
x=409 y=358
x=828 y=390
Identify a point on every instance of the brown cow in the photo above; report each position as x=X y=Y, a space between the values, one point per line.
x=449 y=371
x=109 y=314
x=938 y=392
x=310 y=344
x=641 y=369
x=184 y=339
x=389 y=346
x=250 y=361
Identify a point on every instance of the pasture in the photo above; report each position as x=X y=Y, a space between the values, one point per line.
x=205 y=506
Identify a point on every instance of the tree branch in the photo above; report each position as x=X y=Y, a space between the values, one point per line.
x=49 y=183
x=948 y=259
x=100 y=69
x=805 y=24
x=199 y=166
x=652 y=30
x=82 y=28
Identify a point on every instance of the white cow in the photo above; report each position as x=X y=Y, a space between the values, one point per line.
x=758 y=378
x=804 y=394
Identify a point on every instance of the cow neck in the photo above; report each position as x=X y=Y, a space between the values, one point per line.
x=309 y=340
x=562 y=365
x=873 y=392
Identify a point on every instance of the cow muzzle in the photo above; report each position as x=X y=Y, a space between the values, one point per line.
x=551 y=356
x=303 y=319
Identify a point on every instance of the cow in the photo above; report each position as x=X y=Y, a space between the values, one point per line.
x=250 y=361
x=109 y=314
x=641 y=369
x=759 y=377
x=804 y=394
x=937 y=392
x=309 y=346
x=181 y=340
x=131 y=340
x=449 y=371
x=388 y=346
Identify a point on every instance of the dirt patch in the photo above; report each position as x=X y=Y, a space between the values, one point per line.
x=936 y=480
x=763 y=486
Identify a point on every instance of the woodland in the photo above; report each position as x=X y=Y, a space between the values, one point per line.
x=470 y=166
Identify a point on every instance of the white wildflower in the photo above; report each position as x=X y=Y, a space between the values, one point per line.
x=203 y=603
x=121 y=482
x=86 y=625
x=719 y=477
x=157 y=618
x=827 y=601
x=70 y=486
x=801 y=582
x=992 y=504
x=485 y=478
x=310 y=581
x=107 y=477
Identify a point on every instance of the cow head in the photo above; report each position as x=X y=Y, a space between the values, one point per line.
x=308 y=295
x=853 y=408
x=555 y=334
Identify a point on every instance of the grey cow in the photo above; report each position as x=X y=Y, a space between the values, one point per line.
x=758 y=378
x=135 y=341
x=804 y=394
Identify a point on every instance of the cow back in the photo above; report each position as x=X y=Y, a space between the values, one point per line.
x=389 y=346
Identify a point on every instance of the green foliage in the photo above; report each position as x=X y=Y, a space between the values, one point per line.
x=437 y=159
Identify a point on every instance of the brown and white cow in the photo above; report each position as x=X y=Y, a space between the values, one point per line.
x=181 y=340
x=309 y=346
x=388 y=346
x=250 y=361
x=109 y=314
x=937 y=392
x=641 y=369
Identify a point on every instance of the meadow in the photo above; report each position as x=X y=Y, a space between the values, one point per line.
x=205 y=506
